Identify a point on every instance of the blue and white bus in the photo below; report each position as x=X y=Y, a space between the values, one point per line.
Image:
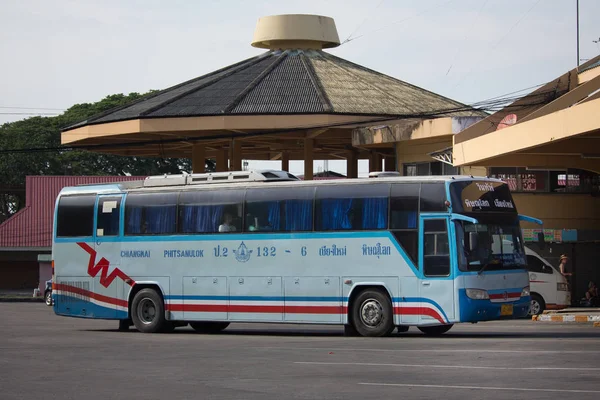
x=263 y=246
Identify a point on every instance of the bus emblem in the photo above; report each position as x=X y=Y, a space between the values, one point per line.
x=242 y=254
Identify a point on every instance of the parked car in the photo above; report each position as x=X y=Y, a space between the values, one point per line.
x=48 y=293
x=549 y=288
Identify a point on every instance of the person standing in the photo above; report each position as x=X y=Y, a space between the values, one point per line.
x=563 y=266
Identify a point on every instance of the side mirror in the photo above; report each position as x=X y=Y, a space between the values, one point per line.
x=541 y=240
x=473 y=241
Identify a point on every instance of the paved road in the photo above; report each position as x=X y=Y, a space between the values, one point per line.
x=50 y=357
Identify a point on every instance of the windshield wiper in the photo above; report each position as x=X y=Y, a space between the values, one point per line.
x=487 y=264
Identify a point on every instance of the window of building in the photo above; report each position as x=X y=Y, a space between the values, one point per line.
x=75 y=216
x=429 y=168
x=108 y=216
x=436 y=250
x=210 y=211
x=287 y=209
x=151 y=213
x=351 y=207
x=548 y=181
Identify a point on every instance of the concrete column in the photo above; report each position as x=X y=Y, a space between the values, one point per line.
x=390 y=164
x=285 y=161
x=222 y=160
x=198 y=158
x=374 y=162
x=351 y=164
x=236 y=157
x=308 y=159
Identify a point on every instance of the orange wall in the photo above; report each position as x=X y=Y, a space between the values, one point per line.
x=560 y=211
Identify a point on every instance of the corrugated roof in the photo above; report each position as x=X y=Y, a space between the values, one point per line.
x=32 y=225
x=591 y=66
x=289 y=82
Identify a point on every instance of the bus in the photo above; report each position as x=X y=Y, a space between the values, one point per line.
x=372 y=254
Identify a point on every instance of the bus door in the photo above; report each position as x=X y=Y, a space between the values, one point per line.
x=437 y=283
x=107 y=244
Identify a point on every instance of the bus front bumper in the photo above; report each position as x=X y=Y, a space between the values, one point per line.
x=485 y=310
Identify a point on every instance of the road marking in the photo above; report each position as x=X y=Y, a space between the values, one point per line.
x=527 y=351
x=479 y=387
x=452 y=366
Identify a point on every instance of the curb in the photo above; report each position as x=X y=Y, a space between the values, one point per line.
x=567 y=318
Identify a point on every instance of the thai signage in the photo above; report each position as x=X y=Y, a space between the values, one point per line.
x=473 y=196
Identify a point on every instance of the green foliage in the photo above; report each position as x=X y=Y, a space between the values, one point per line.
x=44 y=132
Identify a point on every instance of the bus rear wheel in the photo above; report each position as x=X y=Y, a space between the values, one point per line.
x=372 y=313
x=435 y=330
x=148 y=312
x=209 y=327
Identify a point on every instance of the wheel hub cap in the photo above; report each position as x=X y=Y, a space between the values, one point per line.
x=371 y=312
x=147 y=311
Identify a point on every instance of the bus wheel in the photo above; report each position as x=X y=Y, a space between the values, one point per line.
x=537 y=304
x=372 y=313
x=435 y=330
x=209 y=327
x=148 y=311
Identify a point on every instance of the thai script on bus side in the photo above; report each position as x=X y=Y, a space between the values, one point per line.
x=485 y=187
x=332 y=251
x=376 y=250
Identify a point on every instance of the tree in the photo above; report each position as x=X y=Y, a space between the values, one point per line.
x=44 y=132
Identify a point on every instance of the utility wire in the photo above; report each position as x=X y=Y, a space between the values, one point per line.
x=33 y=108
x=400 y=21
x=361 y=24
x=467 y=35
x=498 y=42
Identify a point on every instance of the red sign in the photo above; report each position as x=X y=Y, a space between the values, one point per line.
x=507 y=121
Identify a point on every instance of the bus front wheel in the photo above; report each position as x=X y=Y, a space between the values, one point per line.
x=148 y=311
x=372 y=313
x=435 y=330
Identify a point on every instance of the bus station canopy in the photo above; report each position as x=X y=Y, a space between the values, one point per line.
x=556 y=126
x=294 y=101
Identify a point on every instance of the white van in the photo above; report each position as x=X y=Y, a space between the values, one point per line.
x=549 y=289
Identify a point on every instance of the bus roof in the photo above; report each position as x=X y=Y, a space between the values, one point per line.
x=190 y=181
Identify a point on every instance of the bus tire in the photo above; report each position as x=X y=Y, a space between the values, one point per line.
x=209 y=327
x=148 y=311
x=435 y=330
x=372 y=313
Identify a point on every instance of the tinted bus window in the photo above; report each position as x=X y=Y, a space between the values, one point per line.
x=351 y=207
x=404 y=215
x=150 y=213
x=433 y=197
x=210 y=211
x=75 y=216
x=436 y=249
x=108 y=216
x=279 y=210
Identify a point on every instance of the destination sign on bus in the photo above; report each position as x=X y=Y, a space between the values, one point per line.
x=474 y=196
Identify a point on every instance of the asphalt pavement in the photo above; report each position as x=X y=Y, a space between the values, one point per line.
x=49 y=357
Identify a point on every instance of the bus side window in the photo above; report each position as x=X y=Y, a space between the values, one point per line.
x=210 y=211
x=279 y=210
x=151 y=213
x=351 y=207
x=436 y=250
x=404 y=214
x=433 y=197
x=75 y=216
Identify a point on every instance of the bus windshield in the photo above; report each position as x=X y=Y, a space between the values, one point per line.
x=499 y=245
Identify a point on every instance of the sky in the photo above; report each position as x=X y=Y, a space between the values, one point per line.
x=57 y=53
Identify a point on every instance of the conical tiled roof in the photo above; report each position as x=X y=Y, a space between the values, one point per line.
x=289 y=82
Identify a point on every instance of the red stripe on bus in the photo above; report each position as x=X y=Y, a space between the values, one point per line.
x=514 y=295
x=92 y=295
x=419 y=311
x=257 y=308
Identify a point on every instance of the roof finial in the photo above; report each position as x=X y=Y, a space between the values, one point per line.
x=295 y=31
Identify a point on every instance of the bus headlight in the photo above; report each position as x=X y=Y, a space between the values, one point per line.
x=477 y=294
x=563 y=287
x=525 y=292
